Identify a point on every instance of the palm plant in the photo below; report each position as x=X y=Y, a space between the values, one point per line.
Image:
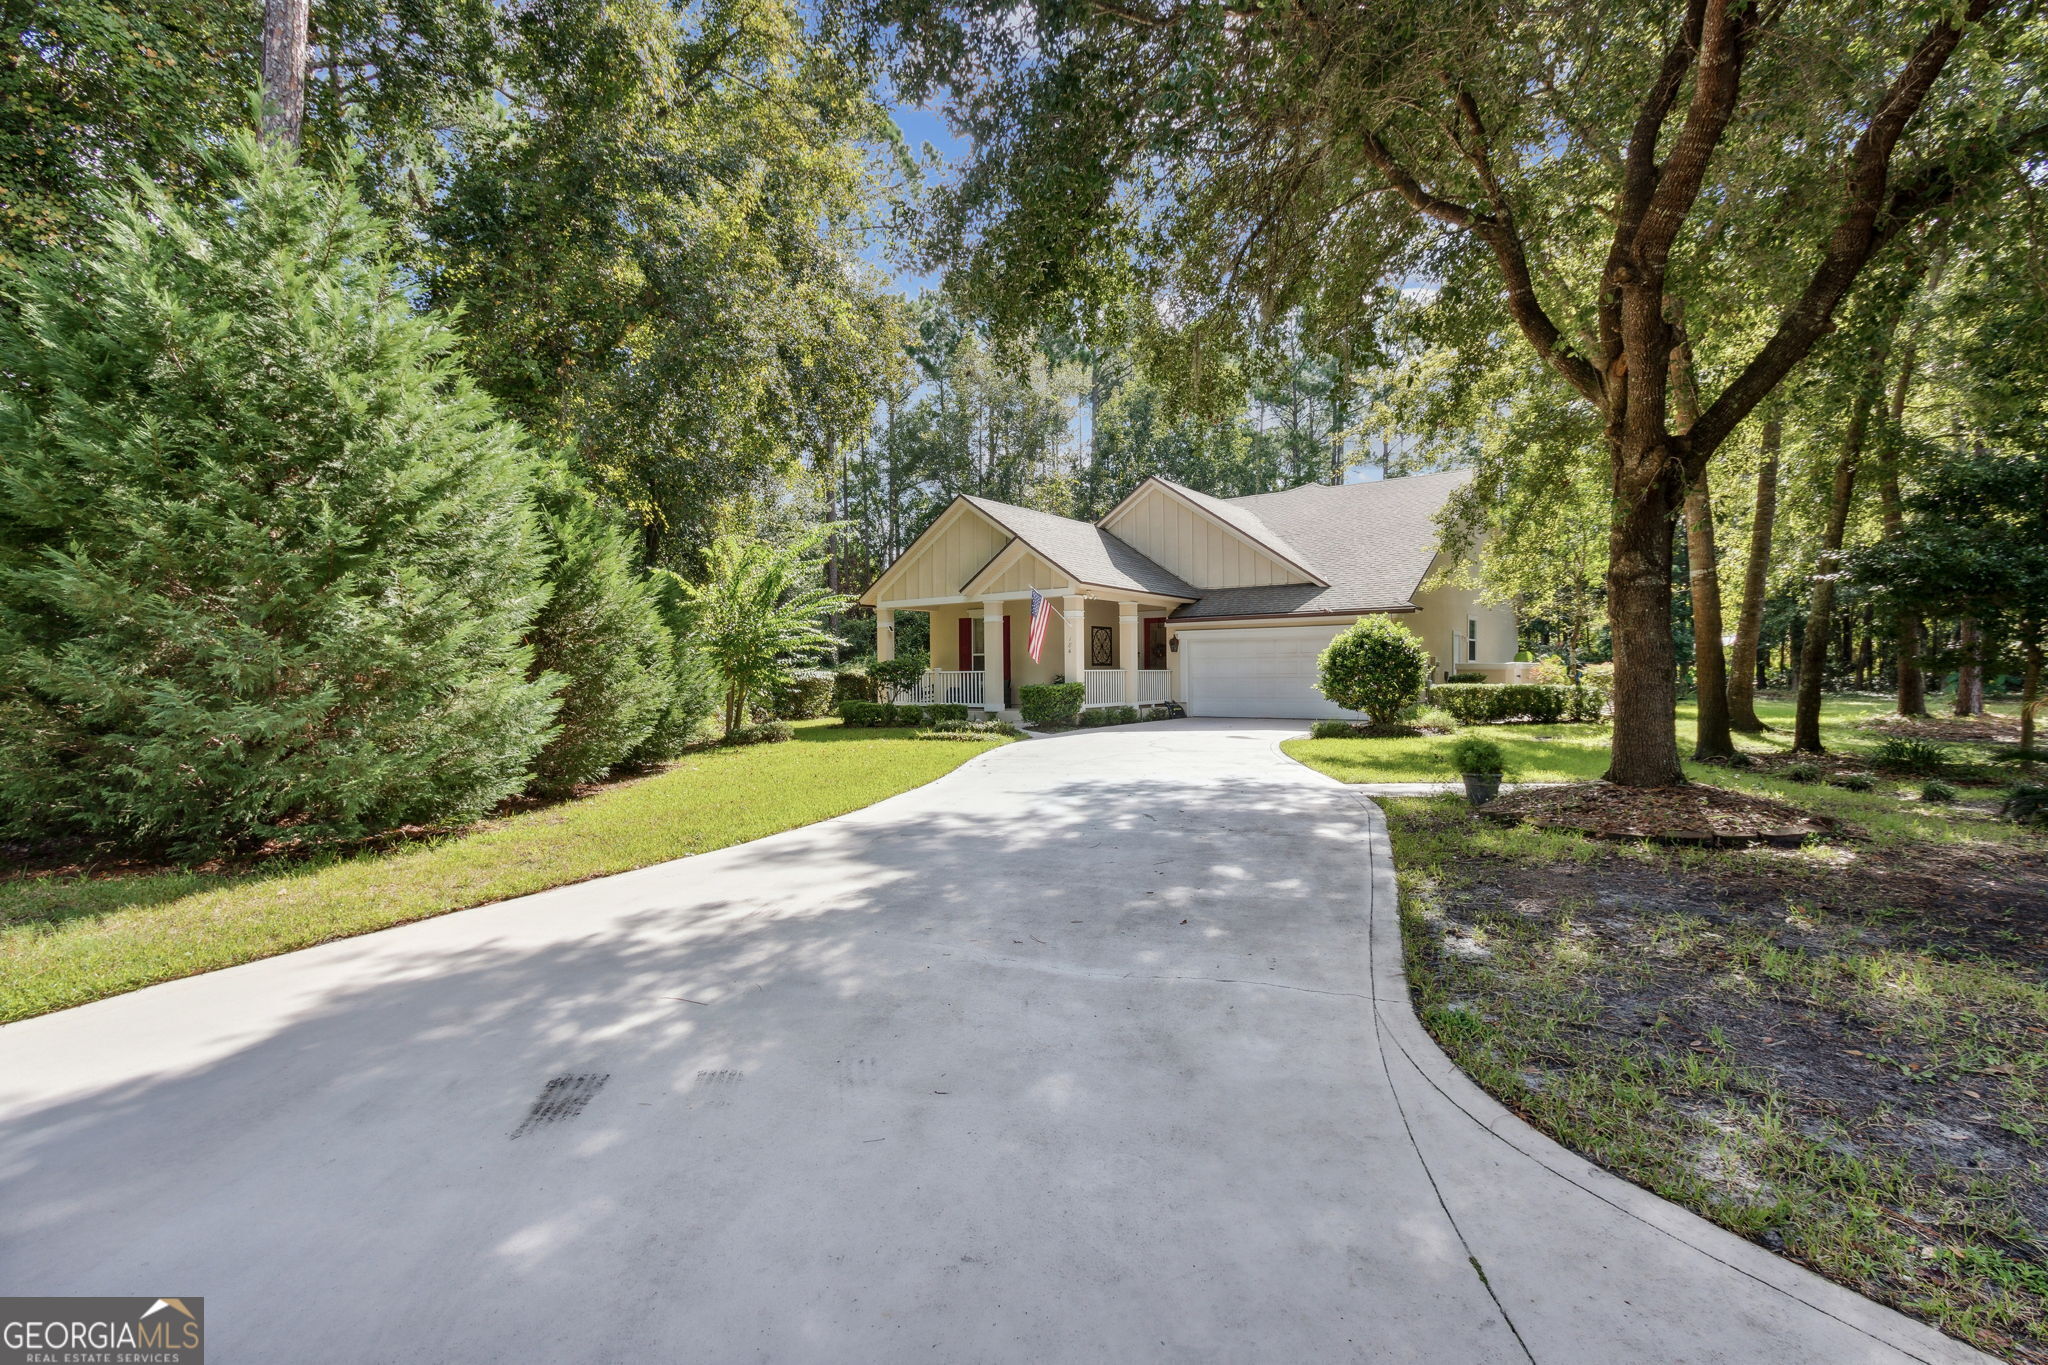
x=759 y=613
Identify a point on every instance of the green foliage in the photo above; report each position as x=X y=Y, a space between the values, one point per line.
x=1800 y=772
x=602 y=634
x=902 y=672
x=650 y=237
x=1907 y=755
x=265 y=554
x=767 y=732
x=696 y=694
x=890 y=715
x=1938 y=793
x=1051 y=703
x=805 y=696
x=1475 y=755
x=759 y=614
x=1335 y=729
x=1464 y=677
x=1123 y=715
x=2027 y=803
x=854 y=682
x=1856 y=782
x=1493 y=703
x=1378 y=666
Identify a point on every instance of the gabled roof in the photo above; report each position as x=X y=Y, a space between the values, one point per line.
x=1091 y=554
x=1233 y=513
x=1373 y=542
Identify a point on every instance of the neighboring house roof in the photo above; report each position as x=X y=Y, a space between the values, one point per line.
x=1373 y=542
x=1091 y=554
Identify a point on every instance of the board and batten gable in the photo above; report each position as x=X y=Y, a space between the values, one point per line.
x=1027 y=571
x=1181 y=538
x=953 y=549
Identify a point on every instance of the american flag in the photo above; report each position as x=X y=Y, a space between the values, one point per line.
x=1041 y=612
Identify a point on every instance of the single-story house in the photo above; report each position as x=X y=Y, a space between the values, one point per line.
x=1220 y=604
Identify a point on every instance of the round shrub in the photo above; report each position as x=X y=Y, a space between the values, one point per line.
x=1856 y=782
x=601 y=634
x=1938 y=793
x=1378 y=666
x=266 y=554
x=1478 y=756
x=1051 y=703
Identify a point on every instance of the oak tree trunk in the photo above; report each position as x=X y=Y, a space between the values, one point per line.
x=1703 y=572
x=284 y=69
x=1710 y=665
x=1813 y=660
x=1970 y=676
x=1743 y=657
x=1749 y=625
x=1644 y=752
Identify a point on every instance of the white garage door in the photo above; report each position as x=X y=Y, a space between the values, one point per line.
x=1256 y=671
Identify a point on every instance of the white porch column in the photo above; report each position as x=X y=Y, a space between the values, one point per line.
x=1074 y=626
x=992 y=654
x=885 y=632
x=1127 y=643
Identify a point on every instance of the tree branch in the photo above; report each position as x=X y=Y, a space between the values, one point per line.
x=1862 y=227
x=1523 y=304
x=1639 y=168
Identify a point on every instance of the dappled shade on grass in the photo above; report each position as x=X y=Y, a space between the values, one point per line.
x=66 y=940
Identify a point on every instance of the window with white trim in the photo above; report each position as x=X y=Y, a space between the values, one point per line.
x=1471 y=640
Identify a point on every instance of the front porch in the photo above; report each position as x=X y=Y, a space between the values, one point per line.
x=1116 y=647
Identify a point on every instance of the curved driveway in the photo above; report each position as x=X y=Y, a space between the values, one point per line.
x=1095 y=1050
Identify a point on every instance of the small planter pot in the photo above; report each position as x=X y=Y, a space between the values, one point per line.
x=1481 y=788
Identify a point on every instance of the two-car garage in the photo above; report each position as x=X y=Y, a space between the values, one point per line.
x=1265 y=671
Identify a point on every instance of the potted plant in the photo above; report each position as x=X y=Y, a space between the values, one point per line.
x=1481 y=763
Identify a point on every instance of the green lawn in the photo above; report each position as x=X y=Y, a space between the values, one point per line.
x=1559 y=753
x=65 y=940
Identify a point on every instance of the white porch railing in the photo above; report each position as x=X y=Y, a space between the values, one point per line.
x=1154 y=684
x=1105 y=687
x=941 y=685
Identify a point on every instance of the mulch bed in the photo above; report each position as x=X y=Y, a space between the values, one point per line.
x=1692 y=814
x=1986 y=729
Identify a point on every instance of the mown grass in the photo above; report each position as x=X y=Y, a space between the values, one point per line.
x=1685 y=1019
x=65 y=940
x=1889 y=812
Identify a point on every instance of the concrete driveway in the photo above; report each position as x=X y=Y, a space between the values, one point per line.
x=1096 y=1050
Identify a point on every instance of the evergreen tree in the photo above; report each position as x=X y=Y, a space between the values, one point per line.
x=265 y=554
x=602 y=632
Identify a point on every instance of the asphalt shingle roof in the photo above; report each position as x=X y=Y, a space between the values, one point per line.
x=1083 y=549
x=1373 y=542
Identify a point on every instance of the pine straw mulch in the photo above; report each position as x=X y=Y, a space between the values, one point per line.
x=1988 y=728
x=1691 y=814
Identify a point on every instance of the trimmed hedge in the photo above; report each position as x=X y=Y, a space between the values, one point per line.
x=884 y=714
x=767 y=732
x=804 y=696
x=853 y=682
x=1497 y=703
x=1051 y=703
x=1455 y=678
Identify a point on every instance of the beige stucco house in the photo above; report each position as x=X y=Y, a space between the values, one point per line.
x=1220 y=604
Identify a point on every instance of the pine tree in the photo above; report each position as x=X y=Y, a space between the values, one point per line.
x=602 y=633
x=266 y=555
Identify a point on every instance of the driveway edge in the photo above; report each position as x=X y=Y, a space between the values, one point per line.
x=1402 y=1028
